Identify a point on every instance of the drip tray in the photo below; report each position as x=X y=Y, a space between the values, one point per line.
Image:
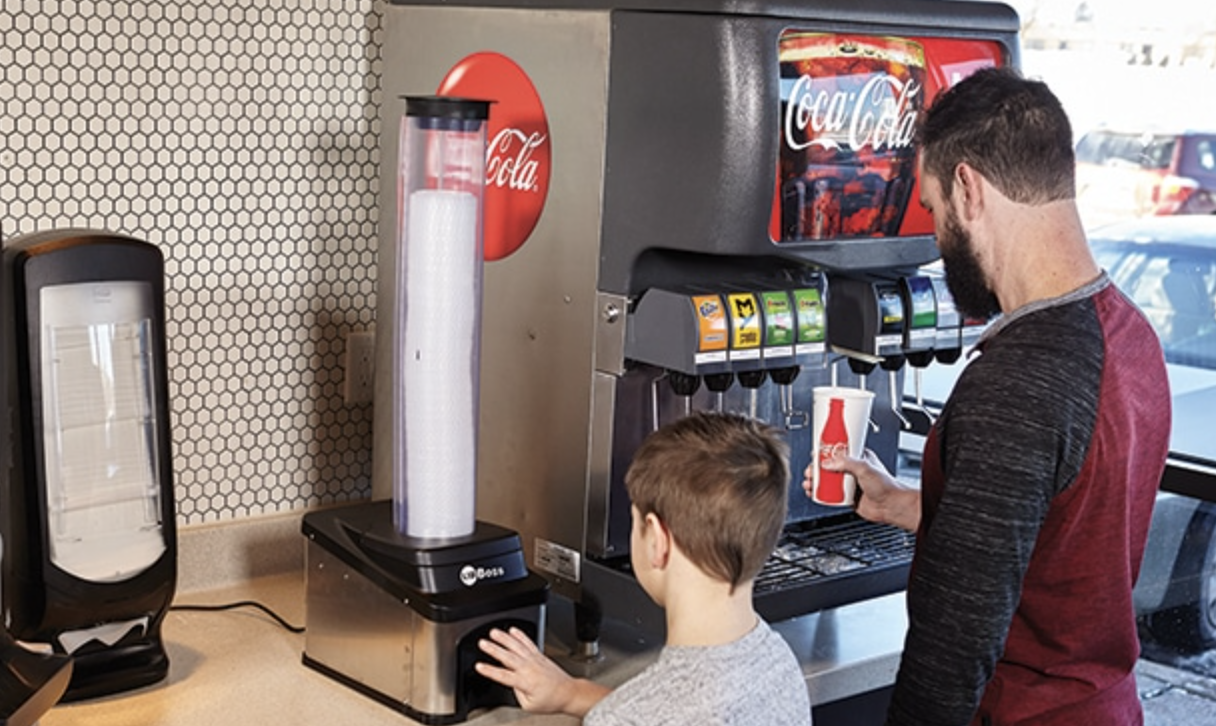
x=818 y=564
x=832 y=561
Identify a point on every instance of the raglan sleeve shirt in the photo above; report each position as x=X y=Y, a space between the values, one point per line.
x=1013 y=435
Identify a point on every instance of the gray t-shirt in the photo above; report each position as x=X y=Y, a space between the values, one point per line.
x=754 y=681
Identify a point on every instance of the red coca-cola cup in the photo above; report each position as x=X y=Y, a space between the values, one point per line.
x=841 y=417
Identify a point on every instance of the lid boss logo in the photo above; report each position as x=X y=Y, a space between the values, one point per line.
x=518 y=161
x=470 y=575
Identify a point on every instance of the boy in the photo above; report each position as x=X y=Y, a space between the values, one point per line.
x=708 y=496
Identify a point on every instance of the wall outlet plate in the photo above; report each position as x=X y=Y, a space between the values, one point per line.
x=359 y=385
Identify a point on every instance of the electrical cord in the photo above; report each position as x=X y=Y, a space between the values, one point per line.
x=239 y=604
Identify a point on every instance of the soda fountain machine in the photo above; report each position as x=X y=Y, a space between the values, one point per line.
x=690 y=204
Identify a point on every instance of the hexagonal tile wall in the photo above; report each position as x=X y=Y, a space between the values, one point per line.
x=241 y=139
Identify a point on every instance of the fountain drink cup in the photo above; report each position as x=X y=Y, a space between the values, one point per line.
x=841 y=419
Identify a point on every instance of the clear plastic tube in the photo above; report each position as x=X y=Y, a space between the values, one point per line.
x=436 y=362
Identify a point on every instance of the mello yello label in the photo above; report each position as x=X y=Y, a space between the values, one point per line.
x=745 y=321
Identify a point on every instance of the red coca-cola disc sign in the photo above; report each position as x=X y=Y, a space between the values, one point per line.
x=517 y=148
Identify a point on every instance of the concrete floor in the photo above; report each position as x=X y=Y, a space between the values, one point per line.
x=1175 y=697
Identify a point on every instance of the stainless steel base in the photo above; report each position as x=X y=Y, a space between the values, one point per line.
x=369 y=640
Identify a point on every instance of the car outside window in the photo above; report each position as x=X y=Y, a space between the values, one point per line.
x=1176 y=289
x=1147 y=151
x=1205 y=155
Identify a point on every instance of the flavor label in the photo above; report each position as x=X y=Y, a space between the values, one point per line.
x=923 y=304
x=745 y=321
x=711 y=323
x=778 y=319
x=808 y=305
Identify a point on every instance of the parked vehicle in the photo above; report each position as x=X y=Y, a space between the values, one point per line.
x=1167 y=266
x=1125 y=173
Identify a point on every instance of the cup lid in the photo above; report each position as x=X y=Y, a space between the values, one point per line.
x=453 y=107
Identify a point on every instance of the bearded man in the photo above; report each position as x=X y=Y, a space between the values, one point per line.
x=1039 y=477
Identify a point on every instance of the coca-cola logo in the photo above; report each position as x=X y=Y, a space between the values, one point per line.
x=518 y=161
x=882 y=115
x=510 y=163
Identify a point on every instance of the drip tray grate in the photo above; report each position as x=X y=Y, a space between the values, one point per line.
x=832 y=561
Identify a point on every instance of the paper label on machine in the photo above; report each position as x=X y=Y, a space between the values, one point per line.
x=558 y=560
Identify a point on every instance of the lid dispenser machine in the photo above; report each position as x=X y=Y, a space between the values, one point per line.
x=674 y=190
x=89 y=531
x=399 y=592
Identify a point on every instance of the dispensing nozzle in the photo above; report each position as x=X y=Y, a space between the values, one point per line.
x=861 y=367
x=684 y=385
x=718 y=383
x=752 y=380
x=919 y=361
x=947 y=356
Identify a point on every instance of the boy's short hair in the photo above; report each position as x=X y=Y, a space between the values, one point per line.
x=719 y=482
x=1012 y=130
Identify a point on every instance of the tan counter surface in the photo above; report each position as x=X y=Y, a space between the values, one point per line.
x=237 y=667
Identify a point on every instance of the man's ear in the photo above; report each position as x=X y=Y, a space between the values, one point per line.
x=969 y=191
x=658 y=541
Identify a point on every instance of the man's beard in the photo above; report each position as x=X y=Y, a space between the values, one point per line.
x=964 y=276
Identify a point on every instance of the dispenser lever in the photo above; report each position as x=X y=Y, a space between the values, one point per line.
x=784 y=378
x=893 y=381
x=752 y=380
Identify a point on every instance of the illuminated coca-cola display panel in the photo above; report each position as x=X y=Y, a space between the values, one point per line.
x=849 y=104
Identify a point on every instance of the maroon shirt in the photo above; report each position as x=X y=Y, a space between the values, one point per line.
x=1038 y=485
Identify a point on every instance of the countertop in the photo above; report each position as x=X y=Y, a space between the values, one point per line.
x=234 y=667
x=239 y=666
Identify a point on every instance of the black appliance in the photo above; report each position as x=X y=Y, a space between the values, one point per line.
x=88 y=509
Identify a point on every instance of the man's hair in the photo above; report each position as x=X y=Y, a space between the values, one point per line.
x=1012 y=130
x=718 y=481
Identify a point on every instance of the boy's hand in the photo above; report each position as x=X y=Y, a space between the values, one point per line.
x=539 y=684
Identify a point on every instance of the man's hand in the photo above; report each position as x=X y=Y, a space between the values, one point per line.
x=880 y=496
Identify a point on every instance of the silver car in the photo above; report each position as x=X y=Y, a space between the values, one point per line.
x=1167 y=265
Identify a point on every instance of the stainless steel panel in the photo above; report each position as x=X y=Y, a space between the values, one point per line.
x=599 y=494
x=610 y=333
x=609 y=366
x=357 y=629
x=540 y=311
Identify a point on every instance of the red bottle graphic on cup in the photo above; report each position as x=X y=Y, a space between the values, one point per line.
x=835 y=437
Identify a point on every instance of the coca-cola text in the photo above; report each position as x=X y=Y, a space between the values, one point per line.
x=861 y=119
x=509 y=161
